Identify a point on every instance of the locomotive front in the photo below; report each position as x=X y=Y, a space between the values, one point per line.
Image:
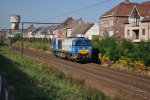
x=81 y=49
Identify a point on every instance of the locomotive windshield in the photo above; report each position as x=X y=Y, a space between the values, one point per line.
x=82 y=42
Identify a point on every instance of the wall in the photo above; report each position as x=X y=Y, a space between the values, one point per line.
x=116 y=24
x=140 y=28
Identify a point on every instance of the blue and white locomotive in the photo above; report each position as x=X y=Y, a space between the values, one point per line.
x=76 y=49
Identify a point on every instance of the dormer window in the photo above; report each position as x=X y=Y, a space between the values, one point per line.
x=137 y=18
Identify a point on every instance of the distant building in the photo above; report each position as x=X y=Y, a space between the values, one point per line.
x=39 y=32
x=61 y=30
x=67 y=28
x=15 y=20
x=138 y=27
x=4 y=33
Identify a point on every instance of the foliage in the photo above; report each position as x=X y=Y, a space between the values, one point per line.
x=104 y=58
x=38 y=43
x=1 y=39
x=95 y=39
x=125 y=51
x=15 y=38
x=141 y=52
x=107 y=46
x=33 y=80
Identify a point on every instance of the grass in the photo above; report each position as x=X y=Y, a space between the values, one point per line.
x=36 y=45
x=33 y=80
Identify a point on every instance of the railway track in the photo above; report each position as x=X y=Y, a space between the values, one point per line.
x=112 y=81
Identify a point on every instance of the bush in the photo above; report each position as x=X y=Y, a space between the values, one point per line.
x=1 y=39
x=15 y=38
x=141 y=52
x=124 y=49
x=95 y=39
x=107 y=47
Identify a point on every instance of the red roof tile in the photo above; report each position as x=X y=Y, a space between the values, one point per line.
x=122 y=9
x=84 y=27
x=146 y=3
x=144 y=10
x=73 y=23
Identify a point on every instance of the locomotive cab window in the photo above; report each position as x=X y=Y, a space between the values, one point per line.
x=81 y=43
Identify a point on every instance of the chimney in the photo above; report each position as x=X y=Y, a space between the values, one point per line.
x=126 y=1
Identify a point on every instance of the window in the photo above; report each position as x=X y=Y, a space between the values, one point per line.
x=82 y=43
x=117 y=21
x=128 y=32
x=101 y=33
x=143 y=32
x=106 y=24
x=111 y=22
x=111 y=33
x=102 y=24
x=137 y=18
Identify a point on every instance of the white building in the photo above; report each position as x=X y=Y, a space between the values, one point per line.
x=93 y=31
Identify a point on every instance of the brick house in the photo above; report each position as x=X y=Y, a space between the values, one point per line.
x=138 y=26
x=112 y=22
x=71 y=27
x=67 y=27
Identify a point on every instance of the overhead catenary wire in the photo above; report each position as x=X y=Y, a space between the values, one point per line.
x=76 y=10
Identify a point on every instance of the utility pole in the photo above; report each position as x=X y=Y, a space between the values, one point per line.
x=22 y=39
x=148 y=31
x=1 y=37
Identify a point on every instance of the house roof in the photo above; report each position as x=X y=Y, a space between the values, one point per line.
x=73 y=23
x=144 y=10
x=84 y=27
x=66 y=22
x=145 y=3
x=146 y=19
x=36 y=30
x=122 y=9
x=31 y=28
x=147 y=16
x=69 y=23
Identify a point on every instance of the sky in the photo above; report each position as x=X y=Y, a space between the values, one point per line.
x=49 y=10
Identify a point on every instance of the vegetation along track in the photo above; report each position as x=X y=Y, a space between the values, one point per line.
x=131 y=85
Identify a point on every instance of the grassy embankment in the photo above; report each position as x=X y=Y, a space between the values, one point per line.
x=36 y=43
x=33 y=80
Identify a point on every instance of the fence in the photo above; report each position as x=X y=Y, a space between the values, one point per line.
x=6 y=92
